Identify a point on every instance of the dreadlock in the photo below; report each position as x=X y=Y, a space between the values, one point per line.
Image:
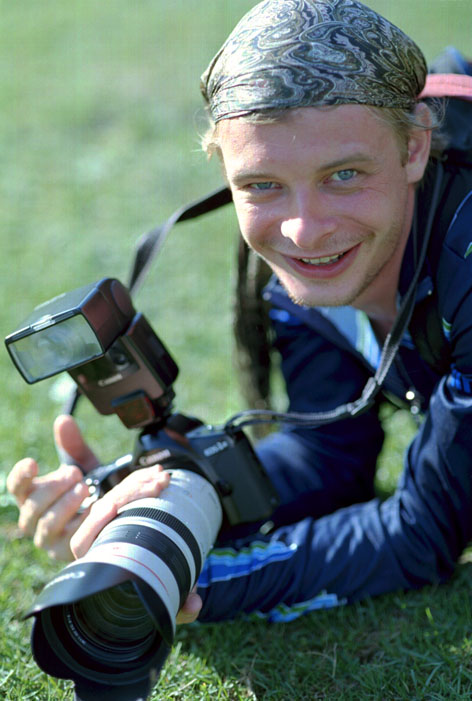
x=252 y=327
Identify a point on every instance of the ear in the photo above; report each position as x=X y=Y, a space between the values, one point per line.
x=419 y=145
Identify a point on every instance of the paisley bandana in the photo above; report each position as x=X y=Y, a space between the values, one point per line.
x=296 y=53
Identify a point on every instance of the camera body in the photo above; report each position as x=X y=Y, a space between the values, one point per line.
x=226 y=459
x=107 y=621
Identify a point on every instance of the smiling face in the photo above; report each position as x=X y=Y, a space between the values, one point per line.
x=324 y=197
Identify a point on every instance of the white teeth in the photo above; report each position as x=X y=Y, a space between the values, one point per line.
x=321 y=261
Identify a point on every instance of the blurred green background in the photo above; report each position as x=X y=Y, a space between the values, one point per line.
x=100 y=113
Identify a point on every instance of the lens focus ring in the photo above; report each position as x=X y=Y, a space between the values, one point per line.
x=172 y=522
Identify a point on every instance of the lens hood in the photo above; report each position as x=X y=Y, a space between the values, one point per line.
x=62 y=653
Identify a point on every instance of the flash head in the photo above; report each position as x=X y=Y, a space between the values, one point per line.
x=70 y=330
x=109 y=349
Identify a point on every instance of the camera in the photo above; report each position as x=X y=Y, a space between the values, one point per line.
x=107 y=620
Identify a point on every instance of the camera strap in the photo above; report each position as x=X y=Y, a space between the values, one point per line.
x=151 y=243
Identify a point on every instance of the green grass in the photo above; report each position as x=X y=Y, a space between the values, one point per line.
x=99 y=113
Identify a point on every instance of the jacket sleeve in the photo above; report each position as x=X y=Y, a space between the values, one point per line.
x=411 y=539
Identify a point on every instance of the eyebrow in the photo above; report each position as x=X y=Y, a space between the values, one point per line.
x=359 y=157
x=243 y=176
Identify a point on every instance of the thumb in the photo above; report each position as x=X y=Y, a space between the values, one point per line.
x=191 y=608
x=71 y=447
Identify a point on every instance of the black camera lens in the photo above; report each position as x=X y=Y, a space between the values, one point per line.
x=113 y=624
x=105 y=635
x=107 y=626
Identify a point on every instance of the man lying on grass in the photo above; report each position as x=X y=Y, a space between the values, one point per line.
x=326 y=145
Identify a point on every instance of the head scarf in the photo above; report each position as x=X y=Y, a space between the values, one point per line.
x=296 y=53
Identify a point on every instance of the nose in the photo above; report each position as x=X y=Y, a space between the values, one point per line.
x=309 y=221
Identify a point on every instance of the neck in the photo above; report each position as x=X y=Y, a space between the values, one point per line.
x=379 y=300
x=381 y=328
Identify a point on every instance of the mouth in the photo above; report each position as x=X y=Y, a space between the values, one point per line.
x=324 y=267
x=324 y=260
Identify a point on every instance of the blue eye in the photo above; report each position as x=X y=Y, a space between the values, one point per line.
x=263 y=186
x=344 y=175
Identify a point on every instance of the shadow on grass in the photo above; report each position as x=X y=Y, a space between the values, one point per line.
x=414 y=645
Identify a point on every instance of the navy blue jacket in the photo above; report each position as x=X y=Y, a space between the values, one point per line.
x=334 y=542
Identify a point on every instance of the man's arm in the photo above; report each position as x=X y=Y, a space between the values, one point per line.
x=412 y=539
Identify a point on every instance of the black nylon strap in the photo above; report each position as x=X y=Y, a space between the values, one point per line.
x=148 y=247
x=150 y=244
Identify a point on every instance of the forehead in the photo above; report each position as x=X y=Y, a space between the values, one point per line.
x=327 y=133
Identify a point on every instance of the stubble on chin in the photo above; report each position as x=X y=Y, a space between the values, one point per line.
x=334 y=300
x=323 y=300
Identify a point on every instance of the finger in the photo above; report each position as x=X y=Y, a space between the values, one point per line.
x=46 y=490
x=146 y=482
x=69 y=440
x=53 y=523
x=190 y=610
x=60 y=549
x=20 y=479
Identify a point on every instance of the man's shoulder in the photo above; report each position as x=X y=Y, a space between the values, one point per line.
x=453 y=277
x=452 y=221
x=458 y=237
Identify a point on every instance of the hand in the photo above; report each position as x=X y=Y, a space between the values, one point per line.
x=48 y=504
x=142 y=483
x=145 y=482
